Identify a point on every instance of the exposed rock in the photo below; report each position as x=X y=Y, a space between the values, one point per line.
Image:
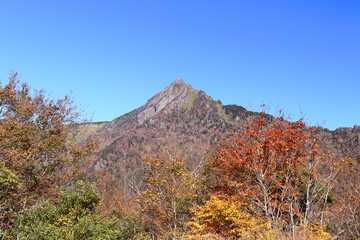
x=174 y=95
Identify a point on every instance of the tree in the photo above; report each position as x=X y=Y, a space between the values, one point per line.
x=278 y=168
x=170 y=190
x=227 y=219
x=345 y=218
x=38 y=151
x=72 y=216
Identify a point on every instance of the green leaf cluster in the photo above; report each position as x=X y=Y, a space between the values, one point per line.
x=72 y=216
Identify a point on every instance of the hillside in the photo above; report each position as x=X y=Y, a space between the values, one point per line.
x=188 y=120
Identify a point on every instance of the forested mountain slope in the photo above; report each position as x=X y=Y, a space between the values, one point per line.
x=186 y=120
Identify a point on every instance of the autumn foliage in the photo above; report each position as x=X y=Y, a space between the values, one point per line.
x=226 y=218
x=278 y=168
x=270 y=179
x=171 y=189
x=37 y=151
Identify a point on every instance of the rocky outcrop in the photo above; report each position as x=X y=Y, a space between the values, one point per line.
x=171 y=97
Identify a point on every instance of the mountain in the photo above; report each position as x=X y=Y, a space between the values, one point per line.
x=178 y=116
x=180 y=119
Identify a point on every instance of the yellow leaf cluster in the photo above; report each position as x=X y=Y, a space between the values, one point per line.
x=228 y=219
x=312 y=232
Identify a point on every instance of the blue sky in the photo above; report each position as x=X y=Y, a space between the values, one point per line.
x=303 y=56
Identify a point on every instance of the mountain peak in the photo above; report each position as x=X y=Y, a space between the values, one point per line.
x=174 y=95
x=178 y=81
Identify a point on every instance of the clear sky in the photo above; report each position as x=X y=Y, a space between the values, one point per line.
x=303 y=56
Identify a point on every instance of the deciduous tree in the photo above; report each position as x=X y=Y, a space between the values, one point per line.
x=72 y=216
x=38 y=153
x=170 y=190
x=228 y=219
x=277 y=166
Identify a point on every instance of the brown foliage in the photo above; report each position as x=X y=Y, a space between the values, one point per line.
x=37 y=146
x=345 y=217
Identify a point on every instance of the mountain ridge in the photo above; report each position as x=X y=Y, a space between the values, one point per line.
x=184 y=120
x=153 y=105
x=181 y=100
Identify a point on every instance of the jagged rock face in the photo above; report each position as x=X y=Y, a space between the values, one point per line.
x=171 y=97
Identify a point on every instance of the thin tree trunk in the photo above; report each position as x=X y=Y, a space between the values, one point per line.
x=292 y=221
